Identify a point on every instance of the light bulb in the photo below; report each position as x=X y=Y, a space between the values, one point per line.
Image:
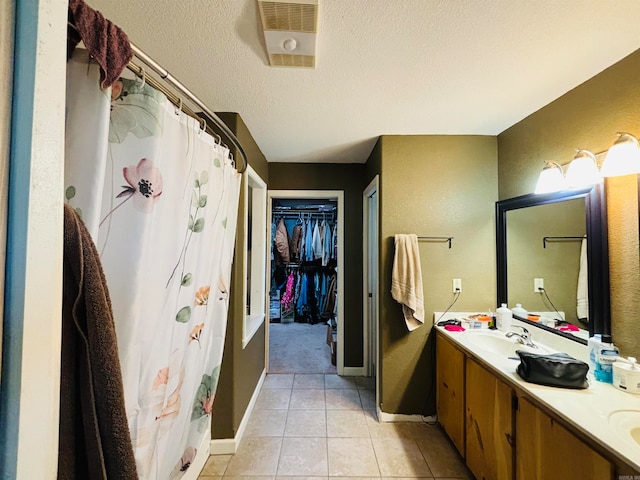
x=551 y=179
x=583 y=170
x=623 y=158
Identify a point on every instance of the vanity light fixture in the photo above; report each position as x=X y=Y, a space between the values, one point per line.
x=623 y=158
x=583 y=170
x=551 y=179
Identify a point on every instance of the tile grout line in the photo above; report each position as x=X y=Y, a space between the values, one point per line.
x=284 y=430
x=326 y=420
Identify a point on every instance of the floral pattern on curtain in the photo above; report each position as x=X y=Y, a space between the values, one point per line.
x=160 y=199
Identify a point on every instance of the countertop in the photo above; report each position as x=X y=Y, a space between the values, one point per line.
x=587 y=410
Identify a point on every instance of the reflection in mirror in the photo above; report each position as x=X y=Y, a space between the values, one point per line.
x=540 y=237
x=544 y=241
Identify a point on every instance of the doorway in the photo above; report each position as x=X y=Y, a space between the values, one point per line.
x=319 y=317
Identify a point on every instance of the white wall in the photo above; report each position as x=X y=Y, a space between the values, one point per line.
x=33 y=302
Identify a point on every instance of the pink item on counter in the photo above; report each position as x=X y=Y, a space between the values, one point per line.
x=569 y=328
x=454 y=328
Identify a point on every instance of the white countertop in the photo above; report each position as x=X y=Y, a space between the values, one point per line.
x=587 y=410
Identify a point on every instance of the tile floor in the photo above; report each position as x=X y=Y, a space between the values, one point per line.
x=318 y=426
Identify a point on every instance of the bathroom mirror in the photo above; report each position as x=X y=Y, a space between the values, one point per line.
x=540 y=236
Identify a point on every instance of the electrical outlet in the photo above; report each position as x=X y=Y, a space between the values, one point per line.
x=457 y=285
x=538 y=284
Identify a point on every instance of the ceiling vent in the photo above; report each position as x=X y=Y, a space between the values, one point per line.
x=290 y=32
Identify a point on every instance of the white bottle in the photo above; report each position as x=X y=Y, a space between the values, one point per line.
x=593 y=345
x=519 y=311
x=503 y=318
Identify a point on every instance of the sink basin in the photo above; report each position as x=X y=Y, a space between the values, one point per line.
x=627 y=422
x=501 y=345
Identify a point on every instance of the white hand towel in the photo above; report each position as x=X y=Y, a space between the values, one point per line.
x=583 y=284
x=406 y=280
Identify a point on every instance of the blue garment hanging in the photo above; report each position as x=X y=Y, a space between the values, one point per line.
x=326 y=244
x=302 y=297
x=308 y=242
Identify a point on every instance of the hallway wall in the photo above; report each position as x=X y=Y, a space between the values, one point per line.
x=347 y=177
x=241 y=367
x=432 y=185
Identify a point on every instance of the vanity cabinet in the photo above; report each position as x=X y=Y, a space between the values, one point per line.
x=489 y=424
x=500 y=433
x=545 y=449
x=450 y=390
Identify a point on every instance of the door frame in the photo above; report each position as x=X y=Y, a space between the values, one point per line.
x=337 y=195
x=32 y=320
x=373 y=187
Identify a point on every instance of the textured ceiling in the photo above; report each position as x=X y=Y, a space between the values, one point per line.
x=383 y=66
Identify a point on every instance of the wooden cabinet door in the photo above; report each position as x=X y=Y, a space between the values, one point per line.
x=489 y=424
x=547 y=450
x=450 y=390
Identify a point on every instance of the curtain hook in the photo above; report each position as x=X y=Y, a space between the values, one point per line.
x=204 y=126
x=179 y=106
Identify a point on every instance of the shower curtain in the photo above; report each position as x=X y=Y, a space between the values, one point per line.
x=160 y=200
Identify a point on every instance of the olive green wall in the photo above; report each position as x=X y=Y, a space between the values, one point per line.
x=349 y=178
x=432 y=186
x=241 y=367
x=589 y=117
x=558 y=264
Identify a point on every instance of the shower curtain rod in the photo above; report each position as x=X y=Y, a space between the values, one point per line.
x=174 y=82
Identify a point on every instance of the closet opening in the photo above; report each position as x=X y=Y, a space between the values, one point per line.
x=304 y=331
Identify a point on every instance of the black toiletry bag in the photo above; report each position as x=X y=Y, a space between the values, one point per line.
x=553 y=370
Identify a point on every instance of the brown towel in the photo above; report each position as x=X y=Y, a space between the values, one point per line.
x=94 y=435
x=106 y=42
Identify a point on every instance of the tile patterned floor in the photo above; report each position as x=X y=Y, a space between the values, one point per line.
x=322 y=426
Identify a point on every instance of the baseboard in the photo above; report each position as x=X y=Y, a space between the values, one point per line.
x=222 y=446
x=202 y=456
x=229 y=446
x=247 y=413
x=384 y=417
x=353 y=371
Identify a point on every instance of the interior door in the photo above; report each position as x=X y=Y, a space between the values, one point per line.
x=372 y=290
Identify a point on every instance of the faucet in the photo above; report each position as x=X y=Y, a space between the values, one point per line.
x=524 y=338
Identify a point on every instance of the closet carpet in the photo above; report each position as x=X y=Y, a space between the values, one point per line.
x=299 y=348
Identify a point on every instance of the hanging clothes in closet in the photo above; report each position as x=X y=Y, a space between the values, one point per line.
x=305 y=283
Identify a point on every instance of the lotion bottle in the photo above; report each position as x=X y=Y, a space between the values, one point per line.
x=607 y=355
x=503 y=318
